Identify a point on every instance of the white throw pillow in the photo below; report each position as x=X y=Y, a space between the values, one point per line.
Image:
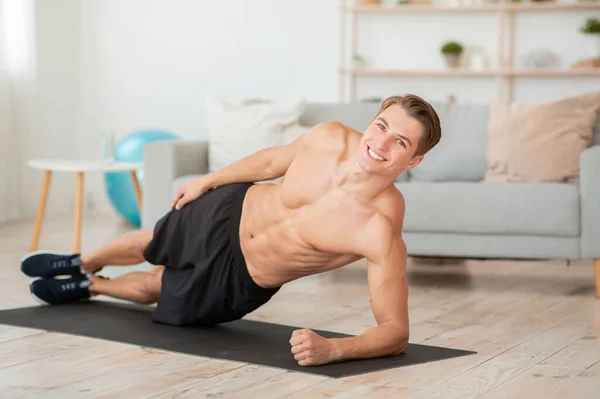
x=239 y=130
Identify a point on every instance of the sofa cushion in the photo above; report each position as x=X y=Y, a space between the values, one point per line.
x=239 y=130
x=460 y=154
x=357 y=116
x=492 y=208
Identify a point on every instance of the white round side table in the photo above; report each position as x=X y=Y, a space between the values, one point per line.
x=80 y=167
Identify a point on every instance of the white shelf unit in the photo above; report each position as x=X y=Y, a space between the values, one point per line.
x=505 y=74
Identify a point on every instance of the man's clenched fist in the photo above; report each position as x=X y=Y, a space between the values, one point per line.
x=310 y=349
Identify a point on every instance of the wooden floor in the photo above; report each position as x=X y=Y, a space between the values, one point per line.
x=534 y=325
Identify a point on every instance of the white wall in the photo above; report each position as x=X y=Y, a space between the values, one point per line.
x=148 y=64
x=118 y=66
x=57 y=91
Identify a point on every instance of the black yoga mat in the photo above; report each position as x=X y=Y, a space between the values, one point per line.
x=242 y=340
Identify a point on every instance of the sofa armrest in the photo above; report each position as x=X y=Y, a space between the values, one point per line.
x=590 y=202
x=164 y=161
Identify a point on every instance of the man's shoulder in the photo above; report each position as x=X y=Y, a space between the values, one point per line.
x=380 y=235
x=332 y=132
x=392 y=207
x=383 y=229
x=332 y=128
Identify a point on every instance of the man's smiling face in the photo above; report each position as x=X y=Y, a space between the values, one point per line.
x=389 y=144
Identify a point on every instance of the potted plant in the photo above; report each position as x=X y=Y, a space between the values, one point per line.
x=591 y=30
x=452 y=51
x=591 y=27
x=359 y=61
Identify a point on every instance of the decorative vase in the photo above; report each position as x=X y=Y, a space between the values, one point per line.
x=593 y=45
x=452 y=59
x=590 y=45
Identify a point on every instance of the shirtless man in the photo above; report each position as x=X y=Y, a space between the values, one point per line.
x=228 y=245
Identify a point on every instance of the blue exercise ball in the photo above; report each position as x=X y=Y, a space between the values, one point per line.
x=119 y=186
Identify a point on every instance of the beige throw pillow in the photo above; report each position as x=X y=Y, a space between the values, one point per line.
x=540 y=142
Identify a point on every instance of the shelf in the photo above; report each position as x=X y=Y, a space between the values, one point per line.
x=422 y=8
x=551 y=6
x=507 y=15
x=555 y=72
x=473 y=73
x=516 y=7
x=421 y=72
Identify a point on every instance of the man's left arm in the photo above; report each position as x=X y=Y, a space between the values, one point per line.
x=388 y=290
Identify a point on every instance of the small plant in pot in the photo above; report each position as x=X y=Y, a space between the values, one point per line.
x=591 y=27
x=452 y=51
x=591 y=31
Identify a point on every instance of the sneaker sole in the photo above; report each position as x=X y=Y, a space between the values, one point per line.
x=41 y=251
x=37 y=299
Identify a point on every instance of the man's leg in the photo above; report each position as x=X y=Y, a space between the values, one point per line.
x=139 y=287
x=125 y=250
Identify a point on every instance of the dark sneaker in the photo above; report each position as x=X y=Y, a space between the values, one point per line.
x=50 y=264
x=54 y=291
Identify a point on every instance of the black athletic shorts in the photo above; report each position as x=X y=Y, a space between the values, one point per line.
x=205 y=281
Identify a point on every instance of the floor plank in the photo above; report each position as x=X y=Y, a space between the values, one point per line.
x=547 y=382
x=223 y=385
x=171 y=380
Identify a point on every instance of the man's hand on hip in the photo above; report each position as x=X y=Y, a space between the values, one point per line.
x=311 y=349
x=189 y=191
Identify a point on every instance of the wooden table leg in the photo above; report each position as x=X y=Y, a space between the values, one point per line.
x=40 y=211
x=138 y=191
x=78 y=213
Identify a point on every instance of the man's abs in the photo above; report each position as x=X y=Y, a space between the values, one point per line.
x=281 y=244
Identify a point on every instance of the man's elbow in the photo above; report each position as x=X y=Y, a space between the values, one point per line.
x=400 y=344
x=277 y=163
x=399 y=340
x=273 y=171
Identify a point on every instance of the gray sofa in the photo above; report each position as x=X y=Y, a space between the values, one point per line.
x=450 y=211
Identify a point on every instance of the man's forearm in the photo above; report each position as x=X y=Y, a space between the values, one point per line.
x=255 y=167
x=383 y=340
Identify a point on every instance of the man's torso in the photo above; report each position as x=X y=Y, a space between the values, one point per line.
x=310 y=222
